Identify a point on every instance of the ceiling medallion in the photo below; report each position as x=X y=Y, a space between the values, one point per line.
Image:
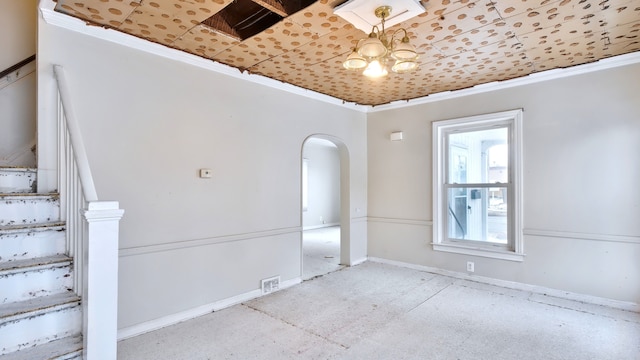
x=374 y=52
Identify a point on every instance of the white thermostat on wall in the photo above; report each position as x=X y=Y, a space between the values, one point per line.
x=206 y=173
x=396 y=136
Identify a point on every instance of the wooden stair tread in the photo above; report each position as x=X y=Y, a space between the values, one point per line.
x=10 y=311
x=29 y=194
x=29 y=263
x=17 y=168
x=31 y=227
x=60 y=348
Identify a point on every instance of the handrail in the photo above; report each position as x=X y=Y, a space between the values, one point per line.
x=84 y=171
x=17 y=66
x=91 y=236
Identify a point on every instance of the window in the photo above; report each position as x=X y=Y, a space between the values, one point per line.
x=477 y=185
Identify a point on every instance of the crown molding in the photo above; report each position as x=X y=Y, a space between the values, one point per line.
x=54 y=18
x=608 y=63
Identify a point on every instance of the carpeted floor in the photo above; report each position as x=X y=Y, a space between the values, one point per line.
x=379 y=311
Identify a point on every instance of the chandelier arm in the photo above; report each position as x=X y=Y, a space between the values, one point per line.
x=393 y=35
x=357 y=47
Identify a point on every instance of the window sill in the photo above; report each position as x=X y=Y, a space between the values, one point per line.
x=479 y=251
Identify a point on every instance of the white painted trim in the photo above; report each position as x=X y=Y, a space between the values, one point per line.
x=99 y=275
x=70 y=23
x=400 y=221
x=479 y=251
x=314 y=227
x=358 y=219
x=97 y=211
x=140 y=250
x=583 y=236
x=18 y=74
x=172 y=319
x=632 y=239
x=595 y=300
x=75 y=136
x=359 y=261
x=511 y=119
x=604 y=64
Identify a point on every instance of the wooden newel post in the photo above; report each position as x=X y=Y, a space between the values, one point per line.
x=100 y=280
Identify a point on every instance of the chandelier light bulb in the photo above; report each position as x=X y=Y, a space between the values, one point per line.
x=375 y=69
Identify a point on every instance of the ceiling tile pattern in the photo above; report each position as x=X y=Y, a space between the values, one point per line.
x=461 y=43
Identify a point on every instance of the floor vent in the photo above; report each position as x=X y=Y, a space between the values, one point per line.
x=270 y=285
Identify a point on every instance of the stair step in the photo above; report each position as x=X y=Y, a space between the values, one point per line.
x=26 y=279
x=37 y=321
x=22 y=209
x=64 y=349
x=32 y=264
x=17 y=180
x=20 y=242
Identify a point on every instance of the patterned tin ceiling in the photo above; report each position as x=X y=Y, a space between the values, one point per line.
x=461 y=43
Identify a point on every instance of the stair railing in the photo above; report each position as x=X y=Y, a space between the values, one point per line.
x=19 y=70
x=92 y=234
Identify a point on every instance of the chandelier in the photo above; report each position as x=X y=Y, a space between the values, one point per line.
x=374 y=52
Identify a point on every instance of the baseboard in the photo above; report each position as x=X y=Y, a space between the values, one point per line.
x=314 y=227
x=358 y=262
x=173 y=319
x=595 y=300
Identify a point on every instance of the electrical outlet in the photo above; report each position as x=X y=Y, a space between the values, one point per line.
x=471 y=266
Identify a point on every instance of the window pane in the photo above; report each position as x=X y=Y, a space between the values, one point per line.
x=478 y=156
x=478 y=214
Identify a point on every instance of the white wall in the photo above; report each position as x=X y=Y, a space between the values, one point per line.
x=323 y=162
x=17 y=99
x=17 y=31
x=581 y=199
x=149 y=123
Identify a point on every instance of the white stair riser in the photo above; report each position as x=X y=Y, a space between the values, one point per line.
x=28 y=284
x=31 y=244
x=35 y=330
x=28 y=210
x=17 y=180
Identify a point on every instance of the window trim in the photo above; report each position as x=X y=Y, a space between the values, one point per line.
x=439 y=130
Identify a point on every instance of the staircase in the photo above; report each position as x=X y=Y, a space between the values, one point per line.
x=40 y=314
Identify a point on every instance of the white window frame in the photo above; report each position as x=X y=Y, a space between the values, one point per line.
x=513 y=120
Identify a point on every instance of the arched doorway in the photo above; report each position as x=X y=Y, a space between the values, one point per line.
x=324 y=206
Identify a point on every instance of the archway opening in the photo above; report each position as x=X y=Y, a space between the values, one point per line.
x=323 y=200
